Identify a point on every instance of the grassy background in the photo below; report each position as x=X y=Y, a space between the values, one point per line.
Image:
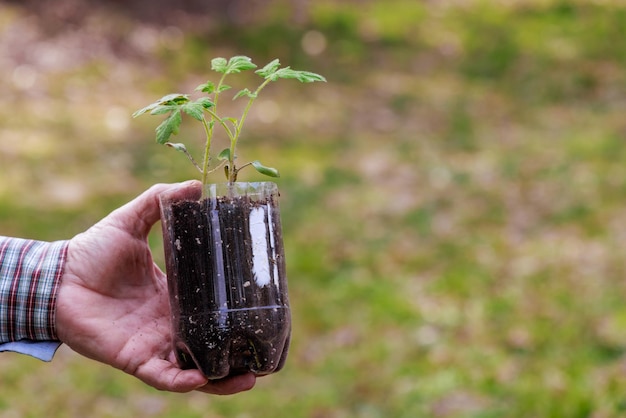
x=452 y=199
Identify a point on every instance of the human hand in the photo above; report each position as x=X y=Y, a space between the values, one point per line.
x=113 y=304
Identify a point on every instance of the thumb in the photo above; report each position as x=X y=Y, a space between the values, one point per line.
x=139 y=215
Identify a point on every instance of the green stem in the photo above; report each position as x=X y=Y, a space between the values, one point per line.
x=217 y=89
x=221 y=122
x=214 y=117
x=208 y=130
x=238 y=127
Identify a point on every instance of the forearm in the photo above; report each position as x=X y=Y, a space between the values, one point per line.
x=30 y=273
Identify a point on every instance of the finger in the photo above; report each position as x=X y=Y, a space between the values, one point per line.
x=139 y=215
x=229 y=385
x=163 y=375
x=189 y=190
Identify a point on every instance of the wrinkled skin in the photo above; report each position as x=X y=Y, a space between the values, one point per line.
x=113 y=305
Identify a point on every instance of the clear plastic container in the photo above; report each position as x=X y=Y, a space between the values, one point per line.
x=226 y=277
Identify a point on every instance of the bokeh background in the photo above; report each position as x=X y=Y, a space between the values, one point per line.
x=453 y=199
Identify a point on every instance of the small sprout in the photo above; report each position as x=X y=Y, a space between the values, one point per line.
x=204 y=110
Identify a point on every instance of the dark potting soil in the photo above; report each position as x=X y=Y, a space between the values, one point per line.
x=228 y=291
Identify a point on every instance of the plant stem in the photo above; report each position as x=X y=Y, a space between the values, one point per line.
x=215 y=116
x=208 y=130
x=238 y=127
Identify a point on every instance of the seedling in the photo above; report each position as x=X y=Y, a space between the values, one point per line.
x=205 y=110
x=224 y=251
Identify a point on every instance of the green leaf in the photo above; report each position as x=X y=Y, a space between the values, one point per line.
x=240 y=63
x=169 y=127
x=168 y=100
x=205 y=102
x=302 y=76
x=224 y=155
x=224 y=87
x=244 y=92
x=144 y=110
x=309 y=77
x=195 y=110
x=269 y=69
x=268 y=171
x=162 y=109
x=234 y=65
x=178 y=99
x=219 y=64
x=207 y=87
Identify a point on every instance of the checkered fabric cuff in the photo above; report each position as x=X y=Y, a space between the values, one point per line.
x=30 y=272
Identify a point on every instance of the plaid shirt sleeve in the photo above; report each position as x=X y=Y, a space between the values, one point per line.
x=30 y=272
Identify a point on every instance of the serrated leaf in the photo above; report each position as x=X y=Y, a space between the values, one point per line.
x=205 y=102
x=207 y=87
x=169 y=127
x=238 y=64
x=234 y=65
x=175 y=98
x=282 y=73
x=268 y=171
x=195 y=110
x=143 y=110
x=219 y=64
x=163 y=109
x=170 y=99
x=224 y=87
x=177 y=146
x=244 y=92
x=269 y=69
x=309 y=77
x=224 y=155
x=302 y=76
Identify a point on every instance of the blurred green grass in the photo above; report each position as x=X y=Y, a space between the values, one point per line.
x=452 y=200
